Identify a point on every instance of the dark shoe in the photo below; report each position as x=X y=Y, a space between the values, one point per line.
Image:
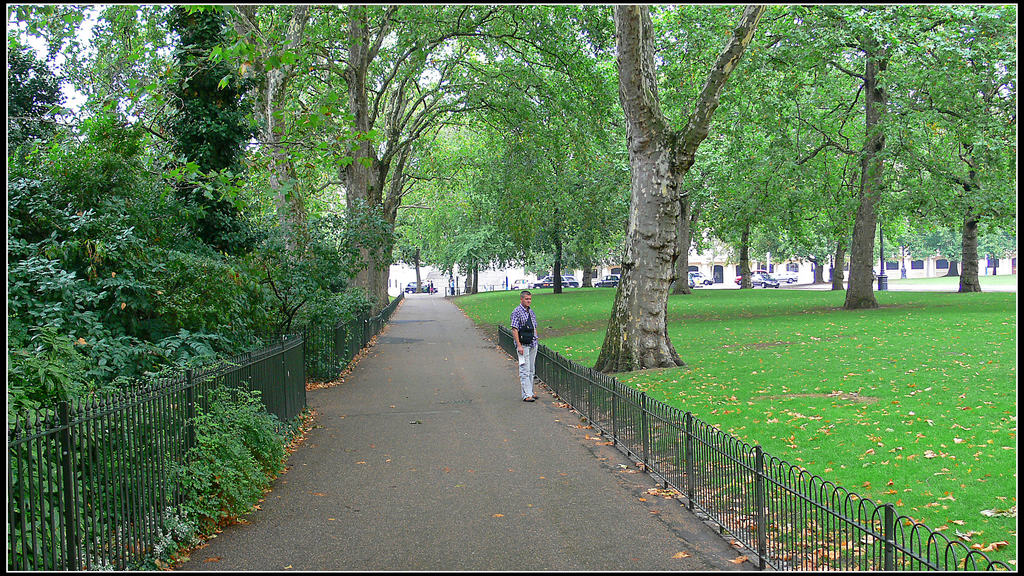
x=528 y=399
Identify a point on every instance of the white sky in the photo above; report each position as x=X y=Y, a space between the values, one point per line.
x=73 y=99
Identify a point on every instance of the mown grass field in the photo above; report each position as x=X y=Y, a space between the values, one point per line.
x=913 y=403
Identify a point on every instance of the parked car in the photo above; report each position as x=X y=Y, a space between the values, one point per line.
x=785 y=276
x=545 y=282
x=760 y=279
x=549 y=282
x=521 y=284
x=700 y=279
x=609 y=281
x=425 y=287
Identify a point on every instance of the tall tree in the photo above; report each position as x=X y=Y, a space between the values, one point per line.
x=274 y=64
x=210 y=126
x=860 y=292
x=660 y=157
x=957 y=133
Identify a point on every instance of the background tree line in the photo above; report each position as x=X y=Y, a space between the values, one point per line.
x=237 y=170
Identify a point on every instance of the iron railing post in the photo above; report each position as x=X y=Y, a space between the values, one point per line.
x=68 y=473
x=283 y=410
x=190 y=409
x=889 y=536
x=615 y=413
x=690 y=468
x=590 y=400
x=759 y=507
x=645 y=443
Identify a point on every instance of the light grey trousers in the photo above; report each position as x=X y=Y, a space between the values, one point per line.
x=527 y=368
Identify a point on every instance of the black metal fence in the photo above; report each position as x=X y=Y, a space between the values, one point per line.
x=90 y=482
x=329 y=349
x=787 y=517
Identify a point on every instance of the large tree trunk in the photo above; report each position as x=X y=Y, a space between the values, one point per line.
x=969 y=253
x=283 y=183
x=557 y=273
x=416 y=261
x=837 y=269
x=860 y=293
x=745 y=257
x=363 y=186
x=682 y=279
x=637 y=335
x=819 y=272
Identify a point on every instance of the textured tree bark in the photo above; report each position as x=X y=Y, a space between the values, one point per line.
x=837 y=270
x=557 y=269
x=745 y=257
x=637 y=335
x=969 y=281
x=273 y=94
x=819 y=271
x=416 y=261
x=860 y=292
x=682 y=284
x=969 y=253
x=361 y=176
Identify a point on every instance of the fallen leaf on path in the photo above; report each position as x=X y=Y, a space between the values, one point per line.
x=681 y=555
x=739 y=560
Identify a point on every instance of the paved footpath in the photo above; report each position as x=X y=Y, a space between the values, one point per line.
x=425 y=458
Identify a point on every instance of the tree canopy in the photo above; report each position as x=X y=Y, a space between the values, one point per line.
x=238 y=170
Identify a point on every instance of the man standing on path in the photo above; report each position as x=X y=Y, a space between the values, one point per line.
x=524 y=332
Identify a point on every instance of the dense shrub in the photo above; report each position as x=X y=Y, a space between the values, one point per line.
x=237 y=453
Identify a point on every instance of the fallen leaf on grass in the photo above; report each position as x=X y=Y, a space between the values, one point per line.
x=991 y=547
x=966 y=535
x=1011 y=512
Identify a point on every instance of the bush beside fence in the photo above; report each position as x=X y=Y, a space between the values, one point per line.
x=91 y=482
x=787 y=517
x=329 y=349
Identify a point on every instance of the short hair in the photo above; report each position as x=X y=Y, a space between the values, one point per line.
x=524 y=293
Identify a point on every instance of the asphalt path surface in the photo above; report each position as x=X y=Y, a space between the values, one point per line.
x=425 y=458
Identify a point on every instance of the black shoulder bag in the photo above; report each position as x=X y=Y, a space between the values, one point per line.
x=526 y=331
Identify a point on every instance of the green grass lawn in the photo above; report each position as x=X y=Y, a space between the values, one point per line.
x=999 y=282
x=913 y=403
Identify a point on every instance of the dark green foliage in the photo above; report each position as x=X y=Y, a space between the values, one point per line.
x=103 y=285
x=32 y=93
x=210 y=127
x=237 y=453
x=306 y=289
